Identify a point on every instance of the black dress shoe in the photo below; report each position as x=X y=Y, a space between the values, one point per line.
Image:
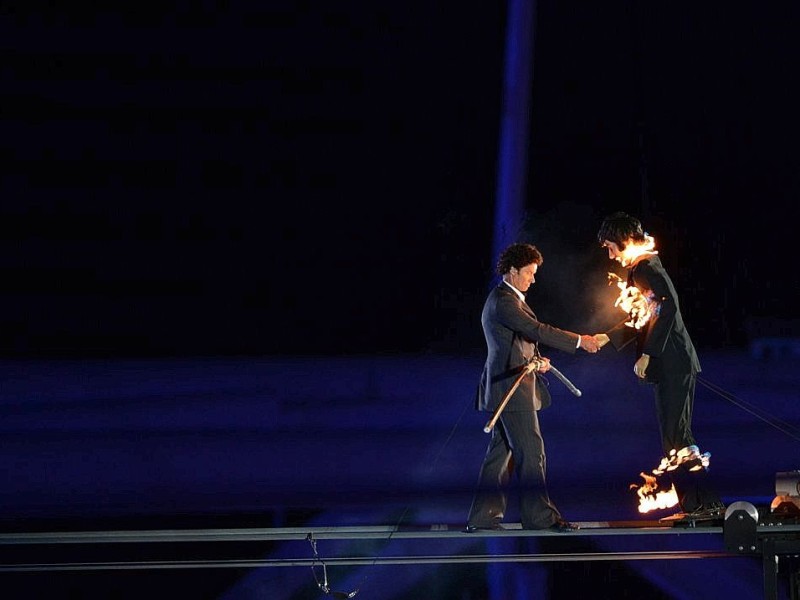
x=492 y=527
x=563 y=526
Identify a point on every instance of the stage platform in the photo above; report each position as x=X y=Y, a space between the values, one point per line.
x=208 y=475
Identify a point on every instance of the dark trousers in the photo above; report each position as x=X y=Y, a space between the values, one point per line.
x=674 y=404
x=515 y=449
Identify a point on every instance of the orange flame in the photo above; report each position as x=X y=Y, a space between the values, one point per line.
x=633 y=251
x=650 y=499
x=632 y=301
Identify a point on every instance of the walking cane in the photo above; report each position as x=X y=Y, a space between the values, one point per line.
x=535 y=364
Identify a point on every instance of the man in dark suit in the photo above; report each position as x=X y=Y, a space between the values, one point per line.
x=666 y=358
x=512 y=334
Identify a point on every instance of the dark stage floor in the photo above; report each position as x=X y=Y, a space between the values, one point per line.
x=366 y=441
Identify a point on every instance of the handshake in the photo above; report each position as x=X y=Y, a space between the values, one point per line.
x=593 y=343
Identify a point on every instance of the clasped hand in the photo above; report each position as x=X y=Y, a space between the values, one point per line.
x=593 y=343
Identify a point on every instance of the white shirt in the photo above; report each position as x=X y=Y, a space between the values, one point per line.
x=516 y=291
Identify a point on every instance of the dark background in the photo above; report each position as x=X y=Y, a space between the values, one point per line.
x=263 y=183
x=287 y=178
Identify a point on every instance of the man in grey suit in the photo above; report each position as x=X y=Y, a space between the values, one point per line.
x=512 y=334
x=665 y=358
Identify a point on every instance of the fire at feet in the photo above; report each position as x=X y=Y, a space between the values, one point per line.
x=650 y=496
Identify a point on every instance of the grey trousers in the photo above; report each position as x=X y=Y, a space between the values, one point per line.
x=516 y=449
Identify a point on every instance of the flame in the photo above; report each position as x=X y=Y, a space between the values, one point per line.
x=678 y=457
x=634 y=251
x=633 y=302
x=650 y=499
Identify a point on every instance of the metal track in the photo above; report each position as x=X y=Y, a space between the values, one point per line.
x=98 y=539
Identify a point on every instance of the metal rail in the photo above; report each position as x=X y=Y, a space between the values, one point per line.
x=330 y=533
x=33 y=551
x=365 y=561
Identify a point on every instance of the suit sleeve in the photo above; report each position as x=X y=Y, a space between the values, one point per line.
x=621 y=335
x=511 y=314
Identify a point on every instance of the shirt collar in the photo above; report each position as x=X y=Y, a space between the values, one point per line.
x=516 y=291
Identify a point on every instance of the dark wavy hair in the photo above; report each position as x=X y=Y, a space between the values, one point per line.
x=518 y=256
x=620 y=227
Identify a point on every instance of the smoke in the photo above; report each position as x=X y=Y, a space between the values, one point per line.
x=571 y=289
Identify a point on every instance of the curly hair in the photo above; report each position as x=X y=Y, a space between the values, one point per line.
x=518 y=255
x=619 y=228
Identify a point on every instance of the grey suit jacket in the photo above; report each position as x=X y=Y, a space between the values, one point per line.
x=512 y=334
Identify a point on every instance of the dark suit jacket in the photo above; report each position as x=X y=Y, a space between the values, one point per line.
x=664 y=337
x=512 y=334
